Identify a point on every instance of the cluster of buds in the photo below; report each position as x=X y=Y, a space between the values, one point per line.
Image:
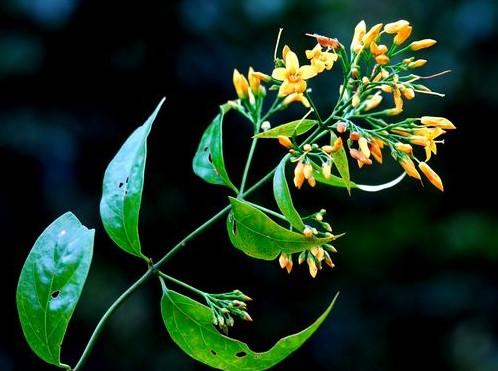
x=224 y=305
x=315 y=256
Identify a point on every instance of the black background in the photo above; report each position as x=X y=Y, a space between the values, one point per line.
x=416 y=270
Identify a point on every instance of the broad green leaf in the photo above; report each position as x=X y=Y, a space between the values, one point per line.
x=189 y=325
x=341 y=163
x=253 y=232
x=51 y=282
x=208 y=162
x=289 y=129
x=122 y=189
x=283 y=197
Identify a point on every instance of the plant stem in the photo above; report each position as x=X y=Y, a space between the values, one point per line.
x=152 y=271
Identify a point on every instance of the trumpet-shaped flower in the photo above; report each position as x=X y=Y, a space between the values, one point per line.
x=321 y=60
x=293 y=76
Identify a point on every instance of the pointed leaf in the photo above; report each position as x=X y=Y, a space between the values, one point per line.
x=122 y=189
x=289 y=129
x=51 y=282
x=253 y=232
x=341 y=163
x=208 y=162
x=189 y=325
x=283 y=197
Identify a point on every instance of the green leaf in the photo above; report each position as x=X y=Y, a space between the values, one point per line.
x=283 y=197
x=253 y=232
x=334 y=180
x=341 y=163
x=122 y=189
x=189 y=325
x=208 y=162
x=51 y=282
x=296 y=127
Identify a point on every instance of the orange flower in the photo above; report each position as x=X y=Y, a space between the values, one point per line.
x=431 y=175
x=406 y=162
x=293 y=76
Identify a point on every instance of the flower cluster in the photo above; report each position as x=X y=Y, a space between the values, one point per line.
x=224 y=305
x=378 y=79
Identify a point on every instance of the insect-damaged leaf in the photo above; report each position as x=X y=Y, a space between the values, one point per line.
x=122 y=189
x=208 y=162
x=189 y=324
x=51 y=282
x=253 y=232
x=289 y=129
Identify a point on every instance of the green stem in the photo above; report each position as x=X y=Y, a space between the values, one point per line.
x=153 y=270
x=107 y=315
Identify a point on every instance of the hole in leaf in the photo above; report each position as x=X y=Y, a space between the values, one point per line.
x=241 y=354
x=55 y=294
x=210 y=159
x=120 y=184
x=234 y=227
x=213 y=352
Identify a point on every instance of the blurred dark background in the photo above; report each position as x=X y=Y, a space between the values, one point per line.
x=416 y=269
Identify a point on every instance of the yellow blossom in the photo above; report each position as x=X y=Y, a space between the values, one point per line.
x=359 y=32
x=402 y=35
x=293 y=76
x=241 y=84
x=431 y=175
x=312 y=265
x=371 y=35
x=438 y=122
x=421 y=44
x=321 y=60
x=395 y=27
x=285 y=261
x=373 y=101
x=285 y=141
x=296 y=97
x=406 y=162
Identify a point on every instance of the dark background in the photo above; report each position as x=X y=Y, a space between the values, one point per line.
x=416 y=270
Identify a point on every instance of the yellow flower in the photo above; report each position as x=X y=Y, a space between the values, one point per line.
x=293 y=76
x=421 y=44
x=241 y=84
x=373 y=101
x=359 y=32
x=395 y=27
x=321 y=60
x=437 y=122
x=296 y=97
x=407 y=164
x=425 y=137
x=371 y=35
x=402 y=35
x=285 y=261
x=431 y=175
x=285 y=141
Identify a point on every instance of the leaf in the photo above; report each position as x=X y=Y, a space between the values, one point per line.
x=208 y=162
x=253 y=232
x=189 y=325
x=283 y=198
x=296 y=127
x=341 y=162
x=122 y=189
x=334 y=180
x=51 y=282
